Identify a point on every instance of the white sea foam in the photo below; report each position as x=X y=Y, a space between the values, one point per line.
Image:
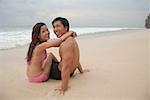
x=11 y=39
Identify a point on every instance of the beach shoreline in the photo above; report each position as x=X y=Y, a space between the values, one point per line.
x=83 y=36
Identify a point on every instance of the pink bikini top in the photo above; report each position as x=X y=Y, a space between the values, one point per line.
x=45 y=55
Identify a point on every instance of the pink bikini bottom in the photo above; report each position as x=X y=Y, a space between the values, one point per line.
x=38 y=79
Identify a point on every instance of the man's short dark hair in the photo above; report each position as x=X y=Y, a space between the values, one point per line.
x=64 y=21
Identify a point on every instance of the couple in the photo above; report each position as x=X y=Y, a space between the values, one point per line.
x=42 y=65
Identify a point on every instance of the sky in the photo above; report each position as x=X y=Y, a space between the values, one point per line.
x=81 y=13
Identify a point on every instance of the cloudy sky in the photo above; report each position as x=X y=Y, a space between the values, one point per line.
x=112 y=13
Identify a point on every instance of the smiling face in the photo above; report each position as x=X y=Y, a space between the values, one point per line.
x=44 y=33
x=59 y=28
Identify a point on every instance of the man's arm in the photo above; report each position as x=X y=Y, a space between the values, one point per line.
x=66 y=54
x=80 y=68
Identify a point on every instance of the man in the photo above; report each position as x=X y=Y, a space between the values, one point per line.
x=69 y=53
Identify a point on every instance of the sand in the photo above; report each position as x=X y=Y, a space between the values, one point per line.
x=118 y=63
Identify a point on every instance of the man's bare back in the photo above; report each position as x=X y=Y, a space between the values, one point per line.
x=70 y=48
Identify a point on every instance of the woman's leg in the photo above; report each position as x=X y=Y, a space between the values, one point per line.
x=54 y=58
x=48 y=62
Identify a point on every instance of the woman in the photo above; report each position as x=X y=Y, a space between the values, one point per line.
x=38 y=60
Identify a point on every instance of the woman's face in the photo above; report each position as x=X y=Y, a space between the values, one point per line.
x=44 y=33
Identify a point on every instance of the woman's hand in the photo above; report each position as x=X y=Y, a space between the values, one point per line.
x=74 y=34
x=68 y=34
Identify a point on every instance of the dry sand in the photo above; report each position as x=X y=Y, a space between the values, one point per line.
x=118 y=63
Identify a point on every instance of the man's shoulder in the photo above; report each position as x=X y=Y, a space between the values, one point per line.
x=68 y=42
x=70 y=39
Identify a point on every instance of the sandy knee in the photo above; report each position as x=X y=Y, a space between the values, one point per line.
x=49 y=55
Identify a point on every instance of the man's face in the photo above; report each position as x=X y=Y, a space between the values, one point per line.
x=59 y=28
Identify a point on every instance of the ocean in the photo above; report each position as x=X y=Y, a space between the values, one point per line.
x=19 y=37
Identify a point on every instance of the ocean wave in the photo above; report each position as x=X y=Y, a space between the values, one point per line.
x=17 y=38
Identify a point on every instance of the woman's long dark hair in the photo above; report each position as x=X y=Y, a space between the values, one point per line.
x=35 y=39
